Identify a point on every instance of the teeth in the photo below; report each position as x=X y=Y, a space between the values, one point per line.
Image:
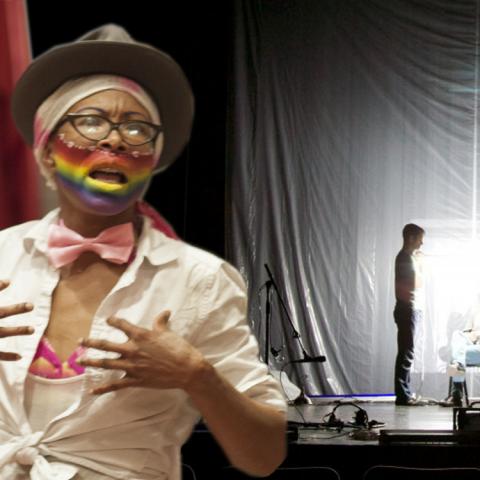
x=108 y=170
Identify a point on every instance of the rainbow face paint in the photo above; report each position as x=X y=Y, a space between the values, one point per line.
x=104 y=181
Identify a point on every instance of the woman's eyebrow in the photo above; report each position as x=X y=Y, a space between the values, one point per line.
x=124 y=114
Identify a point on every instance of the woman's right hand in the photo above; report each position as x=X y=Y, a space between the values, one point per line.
x=12 y=331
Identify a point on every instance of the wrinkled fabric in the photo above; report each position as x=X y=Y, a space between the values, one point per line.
x=349 y=120
x=143 y=438
x=27 y=451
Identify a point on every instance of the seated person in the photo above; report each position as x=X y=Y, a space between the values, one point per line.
x=464 y=344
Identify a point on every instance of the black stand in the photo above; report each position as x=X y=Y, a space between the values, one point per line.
x=269 y=284
x=268 y=318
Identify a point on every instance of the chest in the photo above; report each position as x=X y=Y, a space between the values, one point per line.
x=75 y=301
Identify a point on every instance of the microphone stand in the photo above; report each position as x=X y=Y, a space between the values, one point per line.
x=268 y=317
x=268 y=314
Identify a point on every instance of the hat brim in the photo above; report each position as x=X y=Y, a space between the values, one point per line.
x=154 y=70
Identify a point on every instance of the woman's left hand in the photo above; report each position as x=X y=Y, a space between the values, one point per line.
x=157 y=358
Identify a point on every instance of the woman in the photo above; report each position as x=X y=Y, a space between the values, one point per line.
x=164 y=339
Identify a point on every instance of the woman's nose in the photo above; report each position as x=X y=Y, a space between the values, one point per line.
x=113 y=142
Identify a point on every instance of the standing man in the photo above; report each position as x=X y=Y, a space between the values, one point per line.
x=408 y=309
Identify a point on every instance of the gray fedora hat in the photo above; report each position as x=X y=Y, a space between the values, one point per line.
x=109 y=49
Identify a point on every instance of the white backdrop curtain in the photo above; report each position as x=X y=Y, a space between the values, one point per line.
x=348 y=120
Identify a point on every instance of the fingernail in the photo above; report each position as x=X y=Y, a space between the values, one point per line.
x=81 y=340
x=30 y=330
x=5 y=283
x=18 y=357
x=29 y=306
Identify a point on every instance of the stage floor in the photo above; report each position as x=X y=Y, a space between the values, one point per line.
x=393 y=417
x=314 y=447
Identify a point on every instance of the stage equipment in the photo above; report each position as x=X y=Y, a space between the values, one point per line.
x=361 y=428
x=429 y=437
x=466 y=418
x=360 y=418
x=271 y=285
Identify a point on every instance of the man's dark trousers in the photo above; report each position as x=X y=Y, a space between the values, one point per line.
x=407 y=320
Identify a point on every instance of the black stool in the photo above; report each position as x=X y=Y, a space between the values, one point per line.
x=464 y=389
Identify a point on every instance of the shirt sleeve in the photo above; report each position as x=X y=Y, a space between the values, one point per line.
x=225 y=338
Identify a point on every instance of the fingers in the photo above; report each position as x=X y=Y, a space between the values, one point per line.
x=15 y=309
x=111 y=387
x=9 y=356
x=4 y=284
x=134 y=332
x=106 y=345
x=13 y=331
x=108 y=363
x=128 y=328
x=161 y=321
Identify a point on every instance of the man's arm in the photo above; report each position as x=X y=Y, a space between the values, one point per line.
x=405 y=279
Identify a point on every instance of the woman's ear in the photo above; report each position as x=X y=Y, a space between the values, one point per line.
x=47 y=159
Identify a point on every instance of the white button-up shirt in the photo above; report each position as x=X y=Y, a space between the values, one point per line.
x=133 y=433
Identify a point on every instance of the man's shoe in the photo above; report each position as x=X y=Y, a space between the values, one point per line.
x=450 y=402
x=411 y=402
x=302 y=399
x=454 y=400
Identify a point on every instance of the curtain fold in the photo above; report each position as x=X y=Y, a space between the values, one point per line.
x=19 y=195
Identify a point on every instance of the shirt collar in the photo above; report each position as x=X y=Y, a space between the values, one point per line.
x=153 y=245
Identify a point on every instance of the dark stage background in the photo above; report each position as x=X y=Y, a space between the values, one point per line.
x=190 y=194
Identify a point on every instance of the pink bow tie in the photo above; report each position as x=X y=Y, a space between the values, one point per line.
x=114 y=244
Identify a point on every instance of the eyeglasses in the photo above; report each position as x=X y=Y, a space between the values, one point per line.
x=96 y=127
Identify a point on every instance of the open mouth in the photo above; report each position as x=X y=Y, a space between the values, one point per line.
x=108 y=175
